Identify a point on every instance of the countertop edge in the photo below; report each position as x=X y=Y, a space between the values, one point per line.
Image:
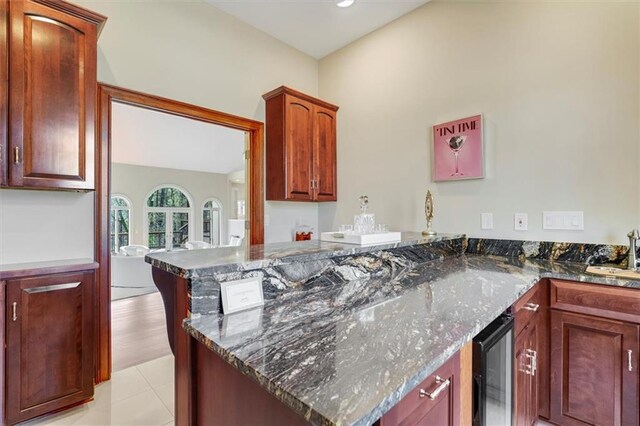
x=245 y=265
x=25 y=270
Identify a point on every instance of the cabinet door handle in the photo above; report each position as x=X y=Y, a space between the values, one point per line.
x=531 y=307
x=16 y=155
x=443 y=384
x=14 y=307
x=533 y=356
x=629 y=360
x=55 y=287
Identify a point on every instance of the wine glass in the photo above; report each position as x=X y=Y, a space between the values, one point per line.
x=455 y=144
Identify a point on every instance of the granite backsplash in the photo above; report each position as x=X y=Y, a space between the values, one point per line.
x=390 y=263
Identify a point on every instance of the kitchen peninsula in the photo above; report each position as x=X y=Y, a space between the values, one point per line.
x=348 y=334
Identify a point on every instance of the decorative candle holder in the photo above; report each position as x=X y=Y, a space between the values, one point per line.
x=428 y=211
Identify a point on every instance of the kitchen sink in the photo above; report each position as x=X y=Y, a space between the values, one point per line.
x=610 y=271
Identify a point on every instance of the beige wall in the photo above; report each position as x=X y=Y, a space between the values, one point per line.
x=136 y=182
x=186 y=50
x=558 y=85
x=195 y=53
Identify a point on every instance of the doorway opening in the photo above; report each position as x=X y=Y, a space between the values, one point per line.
x=171 y=176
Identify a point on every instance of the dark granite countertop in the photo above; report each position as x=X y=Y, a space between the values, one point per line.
x=345 y=354
x=193 y=263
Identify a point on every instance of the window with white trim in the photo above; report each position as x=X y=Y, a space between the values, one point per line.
x=119 y=224
x=168 y=218
x=212 y=221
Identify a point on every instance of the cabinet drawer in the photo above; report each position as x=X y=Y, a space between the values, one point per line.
x=593 y=299
x=417 y=405
x=526 y=308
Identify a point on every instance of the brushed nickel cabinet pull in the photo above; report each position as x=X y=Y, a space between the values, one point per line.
x=629 y=361
x=443 y=384
x=14 y=317
x=531 y=307
x=54 y=287
x=16 y=155
x=533 y=356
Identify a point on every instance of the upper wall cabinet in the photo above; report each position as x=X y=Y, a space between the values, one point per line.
x=52 y=95
x=301 y=147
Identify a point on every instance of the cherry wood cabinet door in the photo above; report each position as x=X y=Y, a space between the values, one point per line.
x=594 y=370
x=50 y=341
x=435 y=401
x=324 y=154
x=4 y=89
x=52 y=75
x=526 y=375
x=298 y=148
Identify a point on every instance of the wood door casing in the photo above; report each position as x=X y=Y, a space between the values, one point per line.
x=590 y=379
x=298 y=148
x=50 y=346
x=4 y=93
x=324 y=154
x=52 y=96
x=107 y=95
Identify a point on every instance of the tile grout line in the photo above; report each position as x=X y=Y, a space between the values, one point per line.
x=154 y=391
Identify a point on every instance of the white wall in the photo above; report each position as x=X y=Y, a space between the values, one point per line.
x=558 y=84
x=184 y=50
x=193 y=52
x=45 y=225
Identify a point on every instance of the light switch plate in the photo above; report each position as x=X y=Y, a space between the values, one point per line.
x=520 y=221
x=564 y=221
x=486 y=220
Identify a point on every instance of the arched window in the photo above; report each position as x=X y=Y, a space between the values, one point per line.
x=168 y=217
x=212 y=221
x=120 y=221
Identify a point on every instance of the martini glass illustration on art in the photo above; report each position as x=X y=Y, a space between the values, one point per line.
x=455 y=144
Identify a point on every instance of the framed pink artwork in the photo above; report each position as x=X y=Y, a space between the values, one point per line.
x=457 y=150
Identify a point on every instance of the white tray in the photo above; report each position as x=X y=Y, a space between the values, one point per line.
x=363 y=240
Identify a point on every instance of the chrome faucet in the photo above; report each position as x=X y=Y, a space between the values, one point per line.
x=634 y=236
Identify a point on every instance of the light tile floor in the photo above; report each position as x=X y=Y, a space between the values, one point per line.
x=137 y=396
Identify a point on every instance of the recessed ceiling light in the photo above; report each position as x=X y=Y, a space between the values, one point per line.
x=345 y=3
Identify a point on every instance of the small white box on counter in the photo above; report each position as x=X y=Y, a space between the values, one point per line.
x=363 y=240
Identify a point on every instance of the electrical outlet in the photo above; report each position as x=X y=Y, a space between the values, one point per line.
x=486 y=220
x=520 y=221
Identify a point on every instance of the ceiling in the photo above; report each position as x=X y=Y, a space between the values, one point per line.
x=317 y=27
x=149 y=138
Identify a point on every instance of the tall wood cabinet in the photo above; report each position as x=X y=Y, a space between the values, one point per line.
x=4 y=89
x=594 y=343
x=300 y=147
x=52 y=48
x=49 y=343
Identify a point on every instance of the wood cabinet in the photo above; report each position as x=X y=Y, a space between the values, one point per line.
x=300 y=147
x=594 y=343
x=49 y=343
x=4 y=89
x=435 y=401
x=52 y=93
x=529 y=352
x=526 y=376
